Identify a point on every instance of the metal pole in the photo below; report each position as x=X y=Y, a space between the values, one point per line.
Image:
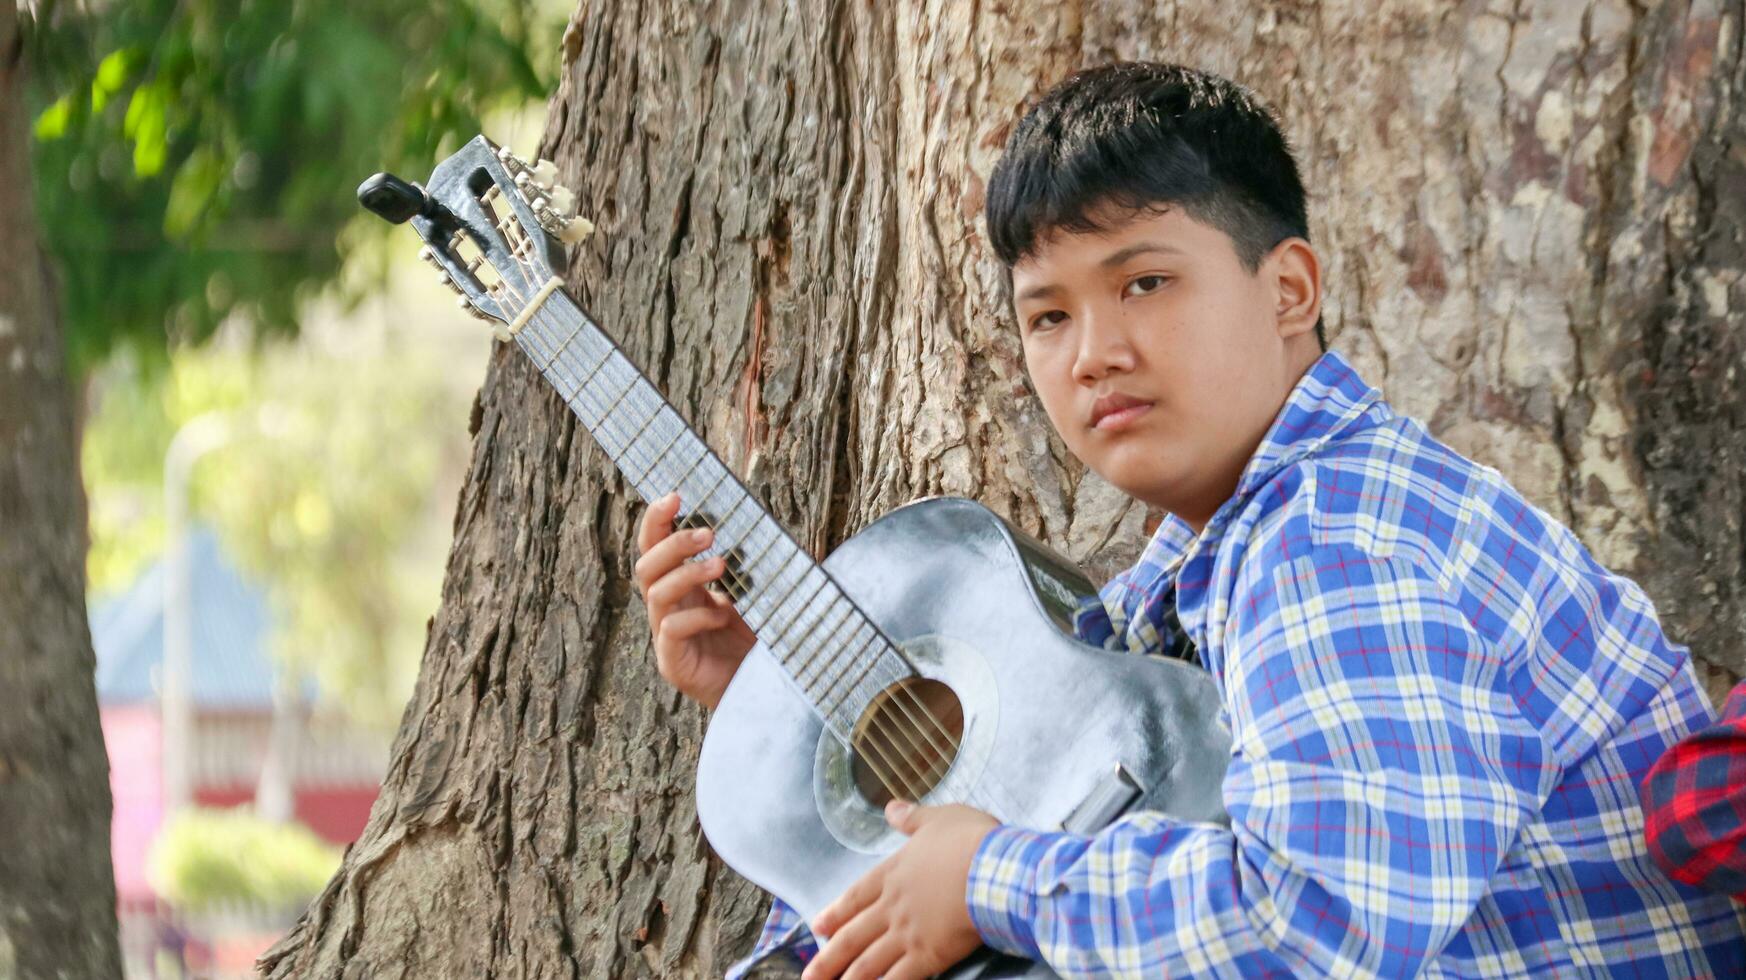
x=197 y=437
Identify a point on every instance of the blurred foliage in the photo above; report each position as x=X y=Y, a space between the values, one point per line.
x=197 y=158
x=196 y=163
x=205 y=858
x=332 y=490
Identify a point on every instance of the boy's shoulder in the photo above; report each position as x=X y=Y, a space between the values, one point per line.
x=1391 y=490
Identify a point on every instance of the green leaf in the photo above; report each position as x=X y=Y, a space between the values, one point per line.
x=52 y=123
x=147 y=125
x=112 y=73
x=193 y=192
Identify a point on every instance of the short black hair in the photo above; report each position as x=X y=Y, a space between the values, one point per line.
x=1139 y=136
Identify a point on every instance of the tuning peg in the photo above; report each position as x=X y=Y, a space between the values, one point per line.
x=545 y=173
x=575 y=230
x=563 y=200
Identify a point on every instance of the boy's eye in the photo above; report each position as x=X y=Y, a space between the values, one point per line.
x=1052 y=318
x=1145 y=284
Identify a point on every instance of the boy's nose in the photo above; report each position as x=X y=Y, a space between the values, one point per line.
x=1104 y=347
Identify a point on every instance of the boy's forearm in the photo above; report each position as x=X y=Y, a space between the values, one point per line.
x=1120 y=900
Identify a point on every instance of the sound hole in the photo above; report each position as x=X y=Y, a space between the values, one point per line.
x=906 y=740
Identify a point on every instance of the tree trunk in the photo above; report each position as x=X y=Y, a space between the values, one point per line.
x=57 y=890
x=1528 y=217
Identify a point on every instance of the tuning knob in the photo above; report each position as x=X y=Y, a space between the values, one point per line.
x=545 y=173
x=563 y=200
x=575 y=230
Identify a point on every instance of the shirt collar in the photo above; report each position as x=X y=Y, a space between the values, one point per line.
x=1326 y=401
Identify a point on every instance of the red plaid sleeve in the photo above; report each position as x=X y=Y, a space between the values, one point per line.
x=1694 y=804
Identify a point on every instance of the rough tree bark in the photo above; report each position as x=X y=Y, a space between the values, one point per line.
x=57 y=891
x=1530 y=216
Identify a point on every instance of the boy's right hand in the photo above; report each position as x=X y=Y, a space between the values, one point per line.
x=700 y=638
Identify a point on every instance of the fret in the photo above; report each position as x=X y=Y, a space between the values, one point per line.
x=689 y=469
x=531 y=343
x=838 y=647
x=702 y=502
x=560 y=349
x=775 y=577
x=629 y=387
x=678 y=433
x=775 y=536
x=562 y=346
x=796 y=619
x=600 y=428
x=855 y=684
x=556 y=378
x=744 y=496
x=561 y=369
x=848 y=614
x=593 y=371
x=576 y=393
x=575 y=398
x=632 y=441
x=725 y=473
x=828 y=669
x=879 y=674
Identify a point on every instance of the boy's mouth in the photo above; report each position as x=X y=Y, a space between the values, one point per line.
x=1114 y=411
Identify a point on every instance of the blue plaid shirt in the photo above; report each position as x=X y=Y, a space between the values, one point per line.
x=1440 y=707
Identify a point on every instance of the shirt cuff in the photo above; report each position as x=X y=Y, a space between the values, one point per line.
x=1002 y=890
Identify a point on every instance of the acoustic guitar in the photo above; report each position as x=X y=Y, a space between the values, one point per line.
x=931 y=656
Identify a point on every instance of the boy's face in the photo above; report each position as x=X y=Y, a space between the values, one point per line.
x=1159 y=357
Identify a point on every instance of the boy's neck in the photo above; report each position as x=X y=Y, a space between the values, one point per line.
x=1301 y=357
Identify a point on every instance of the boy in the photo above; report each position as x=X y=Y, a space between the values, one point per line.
x=1440 y=705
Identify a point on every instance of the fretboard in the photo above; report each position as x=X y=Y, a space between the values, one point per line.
x=836 y=656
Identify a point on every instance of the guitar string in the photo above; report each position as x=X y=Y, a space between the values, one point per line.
x=899 y=694
x=897 y=772
x=519 y=245
x=929 y=779
x=933 y=752
x=911 y=783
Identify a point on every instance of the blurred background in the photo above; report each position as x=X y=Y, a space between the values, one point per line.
x=234 y=411
x=272 y=405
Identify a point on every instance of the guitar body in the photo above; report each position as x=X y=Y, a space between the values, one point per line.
x=1047 y=719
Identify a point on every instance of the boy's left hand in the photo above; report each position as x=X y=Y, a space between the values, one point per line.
x=907 y=918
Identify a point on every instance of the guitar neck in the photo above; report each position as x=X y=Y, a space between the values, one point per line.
x=836 y=656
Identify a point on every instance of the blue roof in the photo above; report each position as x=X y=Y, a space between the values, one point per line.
x=232 y=624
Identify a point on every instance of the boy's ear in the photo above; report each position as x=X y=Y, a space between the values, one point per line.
x=1298 y=275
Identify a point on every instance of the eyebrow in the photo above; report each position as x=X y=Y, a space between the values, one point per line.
x=1111 y=260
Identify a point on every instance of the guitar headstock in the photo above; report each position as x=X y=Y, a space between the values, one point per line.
x=494 y=226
